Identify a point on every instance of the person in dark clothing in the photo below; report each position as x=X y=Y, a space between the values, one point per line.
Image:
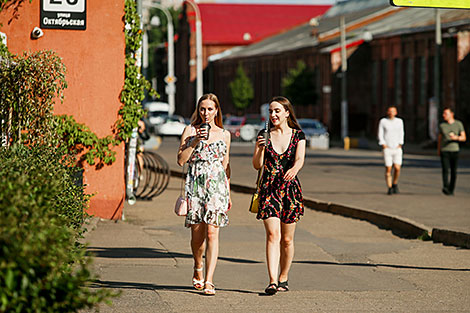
x=451 y=133
x=281 y=202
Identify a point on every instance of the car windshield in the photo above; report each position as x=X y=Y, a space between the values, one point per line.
x=253 y=120
x=173 y=119
x=157 y=113
x=310 y=124
x=234 y=122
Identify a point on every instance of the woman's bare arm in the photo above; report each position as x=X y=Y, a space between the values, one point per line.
x=258 y=155
x=298 y=162
x=187 y=144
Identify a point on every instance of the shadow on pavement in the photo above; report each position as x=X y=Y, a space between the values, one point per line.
x=145 y=286
x=358 y=193
x=385 y=265
x=150 y=253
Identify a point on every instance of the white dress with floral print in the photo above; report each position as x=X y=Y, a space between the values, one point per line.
x=207 y=189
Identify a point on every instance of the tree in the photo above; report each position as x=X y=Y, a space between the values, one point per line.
x=157 y=36
x=299 y=85
x=241 y=89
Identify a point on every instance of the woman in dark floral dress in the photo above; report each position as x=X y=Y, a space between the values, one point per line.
x=281 y=201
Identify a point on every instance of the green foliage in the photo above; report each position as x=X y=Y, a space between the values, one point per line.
x=299 y=85
x=241 y=90
x=78 y=139
x=42 y=269
x=29 y=85
x=159 y=35
x=4 y=53
x=135 y=83
x=425 y=236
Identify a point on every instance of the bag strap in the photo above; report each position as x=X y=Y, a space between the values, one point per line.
x=183 y=179
x=258 y=180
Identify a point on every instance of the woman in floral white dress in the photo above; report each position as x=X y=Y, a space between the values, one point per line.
x=207 y=186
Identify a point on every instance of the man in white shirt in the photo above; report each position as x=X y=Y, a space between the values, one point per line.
x=391 y=136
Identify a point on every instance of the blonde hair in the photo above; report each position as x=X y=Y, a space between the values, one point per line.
x=196 y=118
x=291 y=119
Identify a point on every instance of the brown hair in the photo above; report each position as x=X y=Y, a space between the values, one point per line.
x=448 y=108
x=196 y=119
x=291 y=120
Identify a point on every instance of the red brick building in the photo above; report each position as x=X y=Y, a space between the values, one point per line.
x=390 y=62
x=225 y=26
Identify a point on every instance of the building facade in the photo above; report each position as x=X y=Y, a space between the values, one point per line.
x=95 y=77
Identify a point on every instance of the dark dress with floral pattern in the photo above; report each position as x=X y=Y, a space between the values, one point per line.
x=278 y=197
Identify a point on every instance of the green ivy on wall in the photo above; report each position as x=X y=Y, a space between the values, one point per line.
x=19 y=93
x=135 y=83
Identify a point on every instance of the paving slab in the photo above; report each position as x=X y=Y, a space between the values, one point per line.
x=355 y=178
x=340 y=265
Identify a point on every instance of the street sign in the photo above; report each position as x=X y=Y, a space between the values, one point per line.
x=448 y=4
x=63 y=14
x=169 y=79
x=170 y=89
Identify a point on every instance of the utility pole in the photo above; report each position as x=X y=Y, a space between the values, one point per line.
x=132 y=145
x=344 y=94
x=437 y=59
x=170 y=79
x=199 y=64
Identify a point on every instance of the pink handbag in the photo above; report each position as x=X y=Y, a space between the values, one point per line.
x=181 y=205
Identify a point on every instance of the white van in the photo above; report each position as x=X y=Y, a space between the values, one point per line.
x=157 y=112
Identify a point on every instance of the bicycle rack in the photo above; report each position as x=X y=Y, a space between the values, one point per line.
x=154 y=176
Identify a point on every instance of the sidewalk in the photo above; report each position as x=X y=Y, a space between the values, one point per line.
x=340 y=265
x=354 y=182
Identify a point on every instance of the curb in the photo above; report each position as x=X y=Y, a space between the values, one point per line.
x=400 y=226
x=450 y=237
x=90 y=225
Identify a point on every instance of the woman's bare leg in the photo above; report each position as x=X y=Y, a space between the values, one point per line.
x=287 y=249
x=212 y=251
x=198 y=235
x=273 y=237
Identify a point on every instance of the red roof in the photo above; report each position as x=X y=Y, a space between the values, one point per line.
x=228 y=24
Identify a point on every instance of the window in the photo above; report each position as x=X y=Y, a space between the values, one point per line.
x=398 y=83
x=375 y=80
x=384 y=83
x=422 y=81
x=409 y=82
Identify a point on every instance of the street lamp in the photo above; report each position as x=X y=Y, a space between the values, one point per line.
x=199 y=78
x=170 y=79
x=344 y=95
x=437 y=57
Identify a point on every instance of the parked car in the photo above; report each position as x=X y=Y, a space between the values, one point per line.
x=157 y=113
x=172 y=126
x=251 y=125
x=316 y=133
x=245 y=127
x=233 y=125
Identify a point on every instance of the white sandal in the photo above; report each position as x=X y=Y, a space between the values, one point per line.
x=209 y=291
x=198 y=284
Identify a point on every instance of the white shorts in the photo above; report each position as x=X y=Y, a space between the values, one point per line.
x=393 y=156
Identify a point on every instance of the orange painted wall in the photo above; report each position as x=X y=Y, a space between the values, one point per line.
x=95 y=74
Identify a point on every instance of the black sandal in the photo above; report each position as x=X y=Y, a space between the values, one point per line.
x=284 y=285
x=271 y=289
